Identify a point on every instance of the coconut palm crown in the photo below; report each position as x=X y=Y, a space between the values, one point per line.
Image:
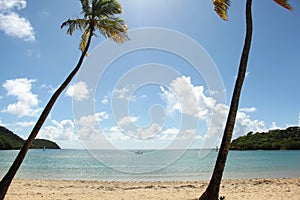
x=221 y=6
x=99 y=15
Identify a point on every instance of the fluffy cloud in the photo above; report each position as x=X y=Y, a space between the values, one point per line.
x=78 y=91
x=27 y=102
x=116 y=134
x=127 y=120
x=274 y=126
x=248 y=110
x=124 y=93
x=63 y=133
x=12 y=24
x=171 y=131
x=191 y=100
x=10 y=4
x=127 y=129
x=187 y=98
x=88 y=126
x=63 y=130
x=90 y=120
x=152 y=132
x=26 y=124
x=104 y=101
x=127 y=126
x=180 y=135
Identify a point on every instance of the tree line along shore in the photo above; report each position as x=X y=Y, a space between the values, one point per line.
x=285 y=139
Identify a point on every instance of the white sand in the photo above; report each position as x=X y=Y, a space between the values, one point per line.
x=261 y=189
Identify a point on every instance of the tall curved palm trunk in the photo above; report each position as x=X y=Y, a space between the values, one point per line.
x=7 y=179
x=212 y=191
x=98 y=15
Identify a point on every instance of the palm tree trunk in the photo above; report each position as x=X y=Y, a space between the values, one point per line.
x=212 y=191
x=7 y=179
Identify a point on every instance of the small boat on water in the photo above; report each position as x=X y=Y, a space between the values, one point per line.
x=139 y=152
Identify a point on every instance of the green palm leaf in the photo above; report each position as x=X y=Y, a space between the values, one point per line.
x=106 y=8
x=113 y=28
x=73 y=25
x=85 y=7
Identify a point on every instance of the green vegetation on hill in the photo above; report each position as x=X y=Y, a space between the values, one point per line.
x=9 y=140
x=288 y=139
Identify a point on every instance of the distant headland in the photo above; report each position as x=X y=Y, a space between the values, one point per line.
x=287 y=139
x=11 y=141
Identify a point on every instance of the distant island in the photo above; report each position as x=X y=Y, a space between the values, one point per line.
x=288 y=139
x=11 y=141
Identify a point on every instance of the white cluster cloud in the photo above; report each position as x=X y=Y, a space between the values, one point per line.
x=104 y=101
x=79 y=91
x=188 y=99
x=88 y=126
x=182 y=97
x=124 y=93
x=63 y=130
x=192 y=101
x=175 y=133
x=26 y=124
x=90 y=120
x=134 y=133
x=126 y=128
x=171 y=131
x=127 y=120
x=152 y=132
x=248 y=110
x=274 y=126
x=63 y=133
x=12 y=23
x=27 y=102
x=116 y=134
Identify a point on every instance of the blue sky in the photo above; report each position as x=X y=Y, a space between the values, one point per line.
x=37 y=55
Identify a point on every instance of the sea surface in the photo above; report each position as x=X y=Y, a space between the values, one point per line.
x=150 y=165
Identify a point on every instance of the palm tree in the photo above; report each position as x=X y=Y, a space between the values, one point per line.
x=221 y=7
x=99 y=15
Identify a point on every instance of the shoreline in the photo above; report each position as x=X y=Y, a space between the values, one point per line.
x=268 y=188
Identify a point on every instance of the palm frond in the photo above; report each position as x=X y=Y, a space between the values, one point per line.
x=113 y=28
x=74 y=25
x=284 y=3
x=84 y=39
x=221 y=7
x=106 y=8
x=85 y=7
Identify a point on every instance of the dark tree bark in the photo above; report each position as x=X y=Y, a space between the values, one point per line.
x=212 y=191
x=7 y=179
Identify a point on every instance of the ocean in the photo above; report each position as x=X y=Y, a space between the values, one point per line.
x=150 y=165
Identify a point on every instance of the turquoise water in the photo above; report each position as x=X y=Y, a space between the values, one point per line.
x=84 y=165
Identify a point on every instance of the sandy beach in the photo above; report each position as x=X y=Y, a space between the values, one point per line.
x=274 y=189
